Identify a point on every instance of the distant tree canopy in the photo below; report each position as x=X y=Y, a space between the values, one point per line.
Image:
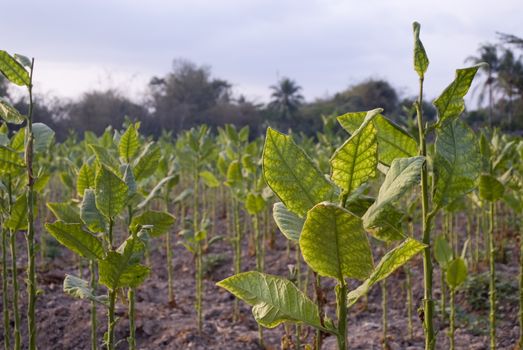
x=189 y=95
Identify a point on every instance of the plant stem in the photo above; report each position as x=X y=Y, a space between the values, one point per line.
x=30 y=236
x=409 y=301
x=492 y=284
x=384 y=312
x=132 y=327
x=443 y=304
x=198 y=257
x=320 y=303
x=452 y=318
x=341 y=312
x=111 y=320
x=237 y=251
x=169 y=255
x=16 y=292
x=259 y=263
x=92 y=283
x=5 y=301
x=428 y=303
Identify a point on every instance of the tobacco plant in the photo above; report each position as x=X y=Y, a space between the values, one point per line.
x=109 y=187
x=331 y=236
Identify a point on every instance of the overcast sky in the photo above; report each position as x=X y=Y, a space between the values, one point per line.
x=324 y=45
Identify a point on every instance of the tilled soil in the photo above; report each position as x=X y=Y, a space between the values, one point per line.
x=64 y=322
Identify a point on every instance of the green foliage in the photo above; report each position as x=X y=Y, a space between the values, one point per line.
x=129 y=144
x=456 y=272
x=292 y=175
x=79 y=288
x=10 y=114
x=13 y=70
x=289 y=223
x=110 y=193
x=274 y=299
x=490 y=188
x=442 y=251
x=160 y=222
x=421 y=61
x=10 y=160
x=334 y=244
x=77 y=239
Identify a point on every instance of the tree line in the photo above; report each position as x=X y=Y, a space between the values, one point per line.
x=190 y=95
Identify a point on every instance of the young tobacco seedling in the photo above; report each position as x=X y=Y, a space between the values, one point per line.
x=109 y=187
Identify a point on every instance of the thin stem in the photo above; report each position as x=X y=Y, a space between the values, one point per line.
x=384 y=312
x=492 y=284
x=132 y=327
x=16 y=292
x=111 y=320
x=30 y=236
x=92 y=284
x=428 y=303
x=5 y=301
x=452 y=318
x=341 y=312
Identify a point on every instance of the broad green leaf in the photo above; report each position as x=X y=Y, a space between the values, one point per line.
x=13 y=70
x=85 y=179
x=234 y=174
x=393 y=141
x=129 y=144
x=17 y=221
x=119 y=269
x=383 y=219
x=490 y=188
x=104 y=157
x=450 y=104
x=77 y=239
x=391 y=261
x=23 y=60
x=90 y=214
x=161 y=222
x=254 y=203
x=40 y=183
x=10 y=114
x=442 y=251
x=359 y=204
x=43 y=137
x=274 y=299
x=354 y=162
x=456 y=273
x=111 y=193
x=457 y=162
x=10 y=160
x=292 y=175
x=421 y=61
x=334 y=244
x=209 y=179
x=18 y=140
x=147 y=163
x=128 y=177
x=79 y=288
x=289 y=223
x=65 y=212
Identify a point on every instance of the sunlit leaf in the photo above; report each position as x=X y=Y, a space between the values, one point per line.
x=76 y=239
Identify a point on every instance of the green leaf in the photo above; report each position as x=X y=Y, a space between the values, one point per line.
x=292 y=175
x=382 y=219
x=13 y=70
x=10 y=114
x=490 y=188
x=104 y=157
x=354 y=162
x=129 y=144
x=391 y=261
x=274 y=299
x=90 y=214
x=457 y=162
x=393 y=141
x=289 y=223
x=162 y=222
x=359 y=204
x=17 y=221
x=147 y=162
x=421 y=61
x=85 y=179
x=209 y=179
x=450 y=104
x=154 y=191
x=43 y=137
x=77 y=239
x=442 y=251
x=65 y=212
x=18 y=140
x=111 y=193
x=456 y=273
x=334 y=244
x=10 y=160
x=234 y=174
x=79 y=288
x=254 y=203
x=119 y=269
x=23 y=60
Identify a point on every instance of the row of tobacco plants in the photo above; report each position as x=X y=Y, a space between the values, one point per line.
x=391 y=193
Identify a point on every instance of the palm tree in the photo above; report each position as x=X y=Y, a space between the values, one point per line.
x=510 y=74
x=286 y=99
x=487 y=53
